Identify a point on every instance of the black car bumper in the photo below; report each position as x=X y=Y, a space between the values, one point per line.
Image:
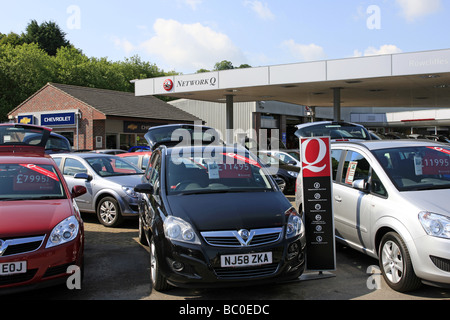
x=200 y=266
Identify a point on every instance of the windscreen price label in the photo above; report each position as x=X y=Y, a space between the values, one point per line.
x=31 y=178
x=25 y=182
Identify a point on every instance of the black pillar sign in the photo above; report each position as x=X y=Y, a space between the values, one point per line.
x=317 y=203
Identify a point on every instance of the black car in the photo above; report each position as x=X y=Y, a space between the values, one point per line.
x=285 y=173
x=213 y=216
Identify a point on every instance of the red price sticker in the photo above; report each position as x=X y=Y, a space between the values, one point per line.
x=436 y=162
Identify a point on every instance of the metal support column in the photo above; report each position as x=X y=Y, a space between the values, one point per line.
x=230 y=119
x=337 y=104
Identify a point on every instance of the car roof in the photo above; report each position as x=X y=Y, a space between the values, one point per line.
x=26 y=158
x=387 y=144
x=309 y=124
x=130 y=154
x=84 y=155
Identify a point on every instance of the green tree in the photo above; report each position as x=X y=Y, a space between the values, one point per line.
x=11 y=38
x=244 y=66
x=47 y=35
x=23 y=70
x=223 y=65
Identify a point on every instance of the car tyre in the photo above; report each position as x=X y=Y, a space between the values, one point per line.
x=396 y=265
x=282 y=184
x=108 y=212
x=159 y=282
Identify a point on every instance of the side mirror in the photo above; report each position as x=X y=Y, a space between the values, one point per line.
x=360 y=185
x=78 y=191
x=144 y=188
x=85 y=176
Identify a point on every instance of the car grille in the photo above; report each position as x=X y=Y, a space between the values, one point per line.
x=252 y=272
x=17 y=278
x=234 y=239
x=12 y=247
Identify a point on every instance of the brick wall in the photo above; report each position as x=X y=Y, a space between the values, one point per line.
x=51 y=99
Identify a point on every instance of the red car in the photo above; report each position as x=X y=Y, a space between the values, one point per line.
x=41 y=230
x=140 y=159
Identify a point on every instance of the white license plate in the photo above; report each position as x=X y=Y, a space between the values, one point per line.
x=10 y=268
x=246 y=260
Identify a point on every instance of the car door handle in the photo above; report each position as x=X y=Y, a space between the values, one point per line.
x=338 y=199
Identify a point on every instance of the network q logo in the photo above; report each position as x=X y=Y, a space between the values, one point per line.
x=168 y=85
x=316 y=157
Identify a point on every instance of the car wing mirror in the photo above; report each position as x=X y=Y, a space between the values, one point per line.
x=85 y=176
x=360 y=185
x=78 y=191
x=144 y=188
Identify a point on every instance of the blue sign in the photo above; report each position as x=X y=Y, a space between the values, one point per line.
x=58 y=119
x=28 y=119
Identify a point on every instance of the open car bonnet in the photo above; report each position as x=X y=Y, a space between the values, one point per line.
x=20 y=138
x=181 y=135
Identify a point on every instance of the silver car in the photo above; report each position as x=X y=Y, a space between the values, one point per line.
x=109 y=181
x=391 y=201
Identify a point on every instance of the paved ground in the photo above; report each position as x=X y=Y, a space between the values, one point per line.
x=117 y=268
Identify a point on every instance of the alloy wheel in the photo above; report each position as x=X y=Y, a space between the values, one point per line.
x=392 y=261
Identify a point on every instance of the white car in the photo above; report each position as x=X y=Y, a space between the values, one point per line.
x=391 y=201
x=336 y=130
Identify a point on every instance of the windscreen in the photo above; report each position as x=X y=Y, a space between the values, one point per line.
x=416 y=168
x=223 y=172
x=29 y=181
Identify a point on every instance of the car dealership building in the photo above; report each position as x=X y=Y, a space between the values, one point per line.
x=97 y=118
x=405 y=91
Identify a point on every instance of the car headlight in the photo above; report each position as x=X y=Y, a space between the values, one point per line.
x=179 y=230
x=64 y=232
x=293 y=173
x=435 y=225
x=130 y=192
x=295 y=224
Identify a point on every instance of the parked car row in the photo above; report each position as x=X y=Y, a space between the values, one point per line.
x=213 y=215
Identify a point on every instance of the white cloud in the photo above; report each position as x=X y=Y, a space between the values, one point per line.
x=413 y=9
x=261 y=9
x=190 y=46
x=384 y=49
x=310 y=52
x=124 y=44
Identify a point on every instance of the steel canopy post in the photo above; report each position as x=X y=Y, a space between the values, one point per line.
x=230 y=119
x=337 y=104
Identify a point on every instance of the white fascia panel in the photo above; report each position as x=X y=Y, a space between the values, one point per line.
x=298 y=73
x=429 y=62
x=246 y=77
x=144 y=87
x=360 y=68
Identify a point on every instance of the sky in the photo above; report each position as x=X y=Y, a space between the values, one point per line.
x=187 y=35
